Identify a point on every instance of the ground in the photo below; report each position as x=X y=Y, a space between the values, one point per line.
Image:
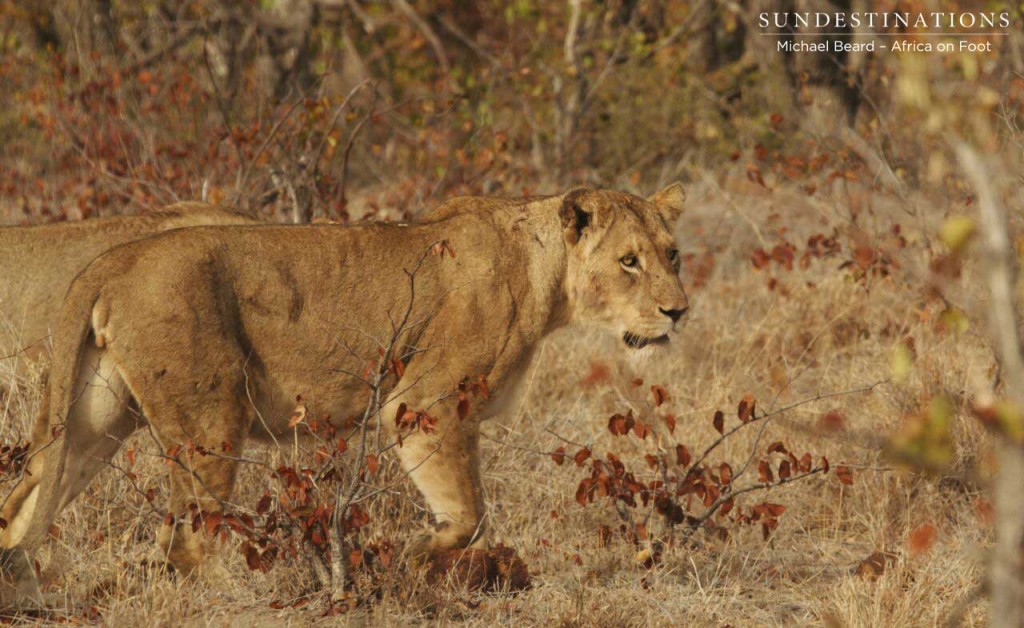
x=814 y=334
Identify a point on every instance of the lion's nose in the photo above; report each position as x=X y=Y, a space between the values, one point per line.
x=675 y=314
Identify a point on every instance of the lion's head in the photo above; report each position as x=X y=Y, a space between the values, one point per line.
x=623 y=269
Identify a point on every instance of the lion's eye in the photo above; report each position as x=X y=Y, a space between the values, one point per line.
x=673 y=258
x=629 y=261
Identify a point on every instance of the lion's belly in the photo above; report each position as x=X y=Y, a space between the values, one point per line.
x=284 y=404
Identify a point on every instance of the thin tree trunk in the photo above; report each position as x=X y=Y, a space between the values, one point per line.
x=1006 y=570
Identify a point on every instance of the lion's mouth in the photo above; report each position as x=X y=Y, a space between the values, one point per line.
x=636 y=341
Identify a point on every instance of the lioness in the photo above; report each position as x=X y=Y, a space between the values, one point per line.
x=38 y=263
x=213 y=331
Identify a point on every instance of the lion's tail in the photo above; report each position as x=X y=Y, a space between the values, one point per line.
x=72 y=332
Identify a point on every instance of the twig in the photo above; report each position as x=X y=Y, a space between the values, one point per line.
x=343 y=183
x=345 y=497
x=243 y=174
x=176 y=42
x=334 y=120
x=221 y=107
x=682 y=29
x=697 y=522
x=453 y=28
x=797 y=404
x=432 y=38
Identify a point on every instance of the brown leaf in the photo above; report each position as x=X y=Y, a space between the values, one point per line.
x=922 y=538
x=254 y=559
x=682 y=455
x=558 y=456
x=805 y=463
x=641 y=430
x=670 y=420
x=777 y=446
x=264 y=505
x=583 y=491
x=620 y=425
x=660 y=394
x=746 y=408
x=212 y=520
x=372 y=463
x=725 y=473
x=832 y=421
x=760 y=259
x=784 y=470
x=298 y=414
x=765 y=471
x=497 y=569
x=581 y=456
x=400 y=414
x=719 y=422
x=874 y=565
x=844 y=474
x=463 y=407
x=441 y=247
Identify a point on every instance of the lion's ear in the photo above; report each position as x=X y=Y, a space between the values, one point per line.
x=670 y=202
x=574 y=218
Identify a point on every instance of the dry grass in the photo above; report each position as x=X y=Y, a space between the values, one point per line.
x=819 y=331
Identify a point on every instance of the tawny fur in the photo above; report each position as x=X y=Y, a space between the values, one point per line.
x=39 y=263
x=192 y=324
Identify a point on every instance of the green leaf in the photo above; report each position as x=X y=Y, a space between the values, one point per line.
x=955 y=320
x=902 y=363
x=956 y=231
x=1010 y=420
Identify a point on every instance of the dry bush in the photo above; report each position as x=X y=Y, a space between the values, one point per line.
x=781 y=335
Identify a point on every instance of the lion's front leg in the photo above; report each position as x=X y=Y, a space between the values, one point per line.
x=445 y=466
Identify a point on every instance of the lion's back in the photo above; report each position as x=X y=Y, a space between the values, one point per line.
x=40 y=262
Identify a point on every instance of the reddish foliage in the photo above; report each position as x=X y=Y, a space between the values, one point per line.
x=498 y=569
x=922 y=538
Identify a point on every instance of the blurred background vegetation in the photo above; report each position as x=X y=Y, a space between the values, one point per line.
x=299 y=109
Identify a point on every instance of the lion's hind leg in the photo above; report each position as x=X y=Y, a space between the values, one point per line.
x=205 y=436
x=98 y=421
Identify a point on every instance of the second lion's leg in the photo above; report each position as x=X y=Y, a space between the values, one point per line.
x=99 y=422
